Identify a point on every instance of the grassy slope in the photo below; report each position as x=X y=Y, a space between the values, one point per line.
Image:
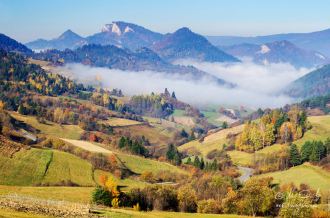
x=150 y=133
x=53 y=129
x=65 y=166
x=313 y=176
x=241 y=158
x=120 y=122
x=320 y=131
x=26 y=168
x=40 y=165
x=212 y=117
x=214 y=141
x=139 y=165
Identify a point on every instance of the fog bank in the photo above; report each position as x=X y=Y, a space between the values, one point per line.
x=257 y=86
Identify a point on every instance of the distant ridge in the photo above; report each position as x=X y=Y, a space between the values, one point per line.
x=277 y=52
x=186 y=44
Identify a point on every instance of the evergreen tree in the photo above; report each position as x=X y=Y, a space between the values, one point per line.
x=294 y=155
x=192 y=136
x=327 y=145
x=173 y=95
x=196 y=162
x=260 y=112
x=170 y=152
x=177 y=159
x=201 y=164
x=184 y=133
x=306 y=151
x=21 y=109
x=214 y=165
x=224 y=146
x=189 y=161
x=224 y=125
x=136 y=149
x=303 y=118
x=121 y=143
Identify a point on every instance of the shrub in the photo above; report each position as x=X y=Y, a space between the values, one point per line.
x=147 y=176
x=209 y=206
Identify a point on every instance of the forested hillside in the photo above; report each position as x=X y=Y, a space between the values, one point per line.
x=312 y=84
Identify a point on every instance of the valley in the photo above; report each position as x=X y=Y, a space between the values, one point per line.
x=130 y=120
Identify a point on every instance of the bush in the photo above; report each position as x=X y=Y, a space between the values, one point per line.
x=148 y=176
x=209 y=206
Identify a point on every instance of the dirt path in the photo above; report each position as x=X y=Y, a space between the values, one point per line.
x=87 y=146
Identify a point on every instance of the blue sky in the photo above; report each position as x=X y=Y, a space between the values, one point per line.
x=28 y=20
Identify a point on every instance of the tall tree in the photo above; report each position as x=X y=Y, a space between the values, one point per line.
x=294 y=155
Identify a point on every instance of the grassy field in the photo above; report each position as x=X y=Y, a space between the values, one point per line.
x=11 y=213
x=120 y=122
x=26 y=168
x=50 y=128
x=40 y=165
x=139 y=165
x=313 y=176
x=212 y=117
x=320 y=130
x=150 y=133
x=125 y=213
x=178 y=113
x=240 y=158
x=214 y=141
x=74 y=194
x=156 y=214
x=65 y=167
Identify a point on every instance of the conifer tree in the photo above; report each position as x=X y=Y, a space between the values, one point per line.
x=294 y=155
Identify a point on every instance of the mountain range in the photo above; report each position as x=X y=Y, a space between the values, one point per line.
x=185 y=44
x=113 y=57
x=318 y=41
x=67 y=40
x=119 y=33
x=277 y=52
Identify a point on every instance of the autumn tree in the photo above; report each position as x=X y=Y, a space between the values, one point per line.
x=187 y=199
x=112 y=159
x=286 y=131
x=296 y=206
x=103 y=178
x=148 y=176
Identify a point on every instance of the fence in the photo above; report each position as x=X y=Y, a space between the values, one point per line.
x=60 y=204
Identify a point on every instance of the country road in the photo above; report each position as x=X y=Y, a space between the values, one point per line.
x=248 y=171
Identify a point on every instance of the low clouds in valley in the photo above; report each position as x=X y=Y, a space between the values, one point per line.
x=257 y=86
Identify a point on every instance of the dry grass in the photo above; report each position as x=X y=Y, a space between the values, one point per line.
x=75 y=194
x=121 y=122
x=187 y=121
x=50 y=128
x=150 y=133
x=87 y=146
x=223 y=133
x=227 y=119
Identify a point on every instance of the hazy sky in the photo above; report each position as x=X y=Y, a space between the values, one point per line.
x=26 y=20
